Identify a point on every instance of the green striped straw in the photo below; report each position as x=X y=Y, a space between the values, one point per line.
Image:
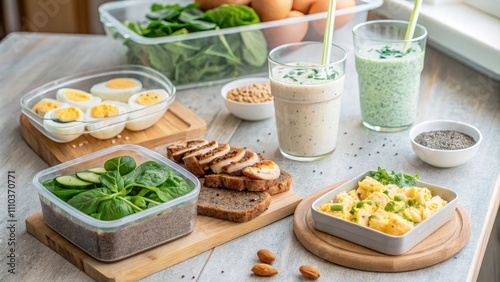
x=328 y=36
x=410 y=30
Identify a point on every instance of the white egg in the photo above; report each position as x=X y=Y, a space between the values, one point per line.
x=106 y=119
x=64 y=124
x=117 y=89
x=147 y=108
x=47 y=104
x=77 y=98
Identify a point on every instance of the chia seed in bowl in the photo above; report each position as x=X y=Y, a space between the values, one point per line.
x=445 y=140
x=445 y=143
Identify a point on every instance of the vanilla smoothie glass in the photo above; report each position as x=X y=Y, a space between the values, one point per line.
x=307 y=98
x=388 y=70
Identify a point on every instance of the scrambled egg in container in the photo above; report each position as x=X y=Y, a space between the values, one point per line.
x=386 y=208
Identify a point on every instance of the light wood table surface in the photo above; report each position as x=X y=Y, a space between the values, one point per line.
x=449 y=90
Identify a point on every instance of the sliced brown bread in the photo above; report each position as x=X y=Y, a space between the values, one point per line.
x=192 y=165
x=237 y=206
x=240 y=183
x=283 y=184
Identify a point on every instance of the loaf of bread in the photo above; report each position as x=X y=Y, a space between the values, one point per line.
x=237 y=206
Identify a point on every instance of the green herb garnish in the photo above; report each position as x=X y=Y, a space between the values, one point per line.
x=387 y=52
x=337 y=207
x=399 y=179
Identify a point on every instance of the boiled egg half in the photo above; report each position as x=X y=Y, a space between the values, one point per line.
x=117 y=89
x=106 y=119
x=64 y=124
x=77 y=98
x=147 y=108
x=45 y=105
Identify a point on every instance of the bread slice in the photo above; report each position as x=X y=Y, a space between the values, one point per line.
x=192 y=165
x=236 y=206
x=283 y=184
x=240 y=183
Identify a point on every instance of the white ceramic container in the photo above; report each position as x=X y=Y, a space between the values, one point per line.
x=377 y=240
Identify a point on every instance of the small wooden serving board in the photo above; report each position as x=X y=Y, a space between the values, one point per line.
x=178 y=123
x=439 y=246
x=209 y=233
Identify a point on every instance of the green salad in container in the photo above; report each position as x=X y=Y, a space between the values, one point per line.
x=118 y=189
x=201 y=59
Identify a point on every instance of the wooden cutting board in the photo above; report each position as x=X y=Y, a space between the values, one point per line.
x=439 y=246
x=178 y=123
x=209 y=233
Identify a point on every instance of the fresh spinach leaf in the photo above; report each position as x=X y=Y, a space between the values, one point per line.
x=230 y=15
x=114 y=209
x=66 y=194
x=139 y=201
x=175 y=186
x=123 y=165
x=88 y=201
x=151 y=173
x=164 y=14
x=112 y=180
x=254 y=47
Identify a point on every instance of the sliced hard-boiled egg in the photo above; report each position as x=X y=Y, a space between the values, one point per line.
x=147 y=108
x=77 y=98
x=106 y=119
x=117 y=89
x=64 y=124
x=45 y=105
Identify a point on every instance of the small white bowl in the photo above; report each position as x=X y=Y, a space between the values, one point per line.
x=445 y=158
x=247 y=111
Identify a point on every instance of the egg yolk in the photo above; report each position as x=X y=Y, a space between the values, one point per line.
x=67 y=114
x=149 y=98
x=45 y=106
x=104 y=110
x=120 y=83
x=77 y=96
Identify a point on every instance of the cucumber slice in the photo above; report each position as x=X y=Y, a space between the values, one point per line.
x=71 y=181
x=98 y=170
x=89 y=176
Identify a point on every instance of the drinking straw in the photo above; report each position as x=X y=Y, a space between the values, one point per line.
x=328 y=36
x=410 y=30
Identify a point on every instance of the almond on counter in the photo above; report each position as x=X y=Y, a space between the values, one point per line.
x=262 y=269
x=266 y=256
x=309 y=272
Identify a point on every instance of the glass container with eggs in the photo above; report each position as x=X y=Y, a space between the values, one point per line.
x=101 y=103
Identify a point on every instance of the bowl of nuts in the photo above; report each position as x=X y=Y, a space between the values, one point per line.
x=249 y=98
x=445 y=143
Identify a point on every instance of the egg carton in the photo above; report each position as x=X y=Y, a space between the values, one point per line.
x=101 y=103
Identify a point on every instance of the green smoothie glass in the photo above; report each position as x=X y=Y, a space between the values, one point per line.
x=388 y=70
